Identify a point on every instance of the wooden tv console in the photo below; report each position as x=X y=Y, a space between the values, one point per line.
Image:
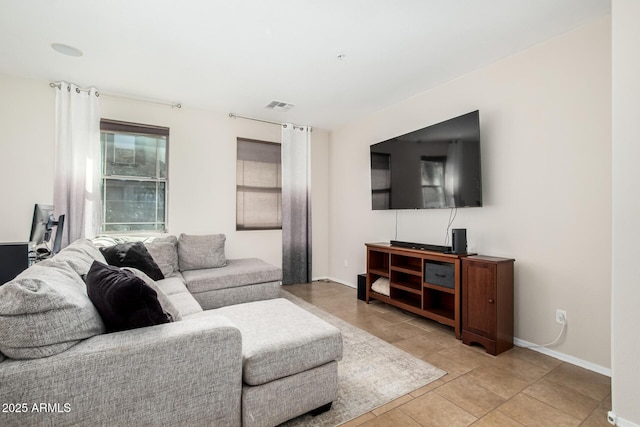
x=405 y=269
x=474 y=294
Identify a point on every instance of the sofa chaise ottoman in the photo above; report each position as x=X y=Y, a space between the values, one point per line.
x=289 y=360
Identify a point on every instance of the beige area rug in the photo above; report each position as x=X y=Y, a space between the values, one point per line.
x=371 y=373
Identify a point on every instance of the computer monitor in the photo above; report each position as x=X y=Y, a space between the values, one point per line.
x=57 y=242
x=41 y=225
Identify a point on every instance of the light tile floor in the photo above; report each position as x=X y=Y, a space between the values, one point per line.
x=516 y=388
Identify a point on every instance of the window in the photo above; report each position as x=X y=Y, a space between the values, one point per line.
x=258 y=185
x=380 y=181
x=432 y=173
x=134 y=176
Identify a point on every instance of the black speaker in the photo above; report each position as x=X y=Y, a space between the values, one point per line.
x=459 y=240
x=362 y=287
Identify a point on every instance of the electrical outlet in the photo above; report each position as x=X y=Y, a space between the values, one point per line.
x=561 y=317
x=346 y=263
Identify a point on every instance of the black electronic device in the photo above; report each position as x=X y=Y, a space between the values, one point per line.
x=434 y=167
x=14 y=258
x=57 y=242
x=362 y=287
x=459 y=241
x=42 y=224
x=421 y=246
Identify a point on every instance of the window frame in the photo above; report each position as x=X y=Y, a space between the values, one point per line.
x=114 y=127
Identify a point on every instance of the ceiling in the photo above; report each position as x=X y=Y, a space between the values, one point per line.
x=239 y=55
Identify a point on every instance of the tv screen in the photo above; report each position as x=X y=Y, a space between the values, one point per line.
x=434 y=167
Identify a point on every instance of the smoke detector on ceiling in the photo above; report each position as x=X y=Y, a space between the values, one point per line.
x=279 y=106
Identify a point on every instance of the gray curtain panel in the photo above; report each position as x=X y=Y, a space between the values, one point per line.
x=296 y=205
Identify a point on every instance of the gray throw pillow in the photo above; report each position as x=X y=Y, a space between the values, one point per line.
x=45 y=311
x=164 y=251
x=163 y=299
x=197 y=252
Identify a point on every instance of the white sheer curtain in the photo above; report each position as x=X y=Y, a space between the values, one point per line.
x=296 y=204
x=77 y=161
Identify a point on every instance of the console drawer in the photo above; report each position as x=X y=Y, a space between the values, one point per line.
x=441 y=274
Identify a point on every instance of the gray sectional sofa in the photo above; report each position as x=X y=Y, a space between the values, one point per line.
x=238 y=355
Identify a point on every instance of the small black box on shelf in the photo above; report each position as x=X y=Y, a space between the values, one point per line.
x=439 y=274
x=362 y=287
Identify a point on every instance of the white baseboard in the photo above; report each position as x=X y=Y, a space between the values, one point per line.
x=613 y=419
x=564 y=357
x=621 y=422
x=342 y=282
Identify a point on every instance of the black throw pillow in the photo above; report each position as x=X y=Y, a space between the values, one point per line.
x=123 y=300
x=132 y=254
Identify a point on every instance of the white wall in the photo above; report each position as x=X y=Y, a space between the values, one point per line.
x=546 y=158
x=626 y=210
x=26 y=153
x=202 y=161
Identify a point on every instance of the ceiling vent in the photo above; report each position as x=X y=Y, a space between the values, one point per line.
x=279 y=106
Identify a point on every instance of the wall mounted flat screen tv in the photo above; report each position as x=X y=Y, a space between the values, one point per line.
x=434 y=167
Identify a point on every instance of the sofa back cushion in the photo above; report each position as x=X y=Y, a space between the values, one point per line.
x=123 y=300
x=197 y=252
x=45 y=311
x=80 y=254
x=164 y=251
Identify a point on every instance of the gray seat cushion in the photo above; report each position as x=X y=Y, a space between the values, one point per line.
x=177 y=293
x=237 y=272
x=172 y=285
x=281 y=339
x=185 y=303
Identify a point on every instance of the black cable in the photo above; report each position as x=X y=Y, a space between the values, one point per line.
x=454 y=212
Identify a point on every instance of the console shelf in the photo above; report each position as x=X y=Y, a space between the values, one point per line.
x=406 y=287
x=405 y=269
x=439 y=288
x=380 y=272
